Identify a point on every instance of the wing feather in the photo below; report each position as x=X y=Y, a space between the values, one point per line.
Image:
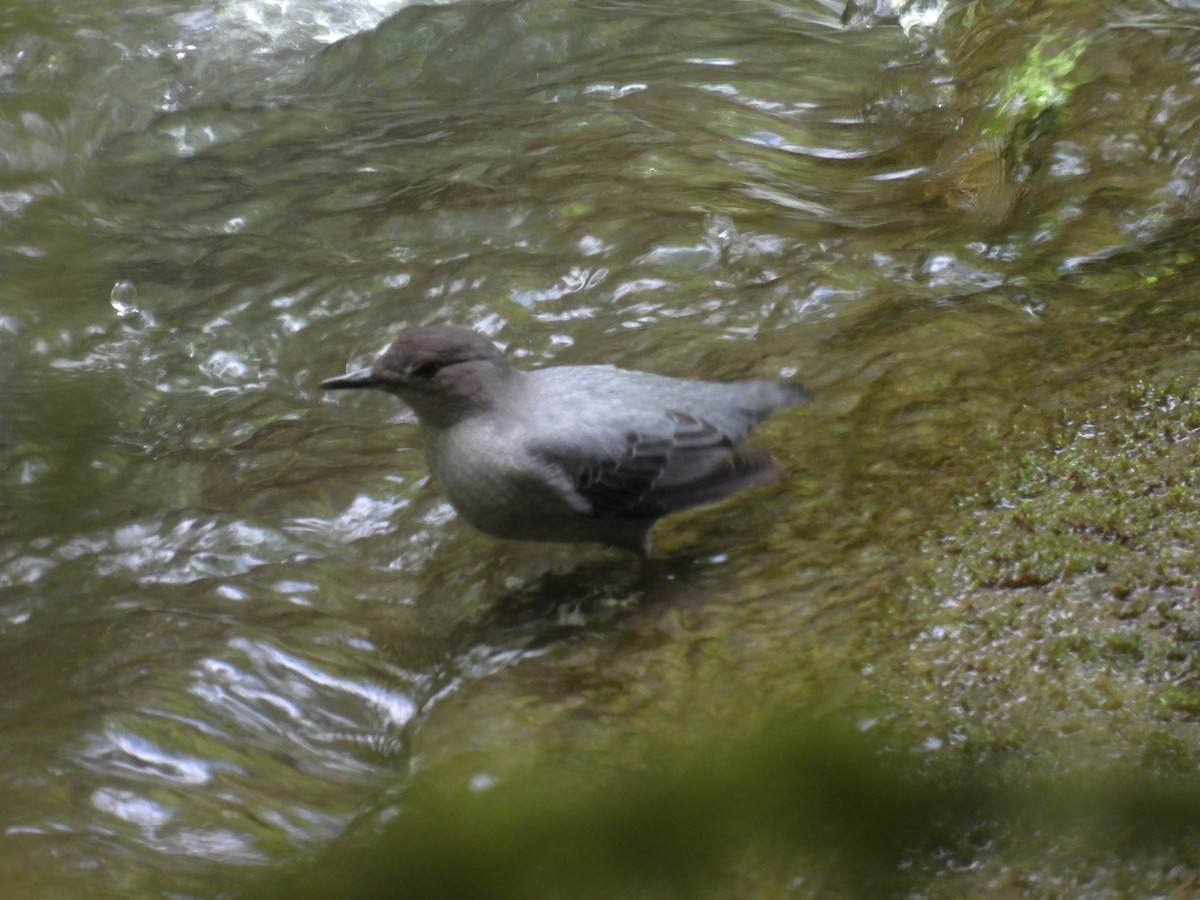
x=682 y=461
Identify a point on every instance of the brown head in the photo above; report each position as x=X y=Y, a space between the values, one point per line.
x=444 y=372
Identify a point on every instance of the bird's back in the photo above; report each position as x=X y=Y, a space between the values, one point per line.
x=632 y=446
x=605 y=395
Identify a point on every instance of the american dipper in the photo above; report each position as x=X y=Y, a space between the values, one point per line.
x=571 y=453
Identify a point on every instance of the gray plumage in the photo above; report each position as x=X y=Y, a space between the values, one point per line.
x=571 y=453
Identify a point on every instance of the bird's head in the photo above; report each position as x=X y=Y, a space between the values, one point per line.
x=444 y=372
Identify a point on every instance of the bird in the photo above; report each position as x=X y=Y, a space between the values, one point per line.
x=574 y=453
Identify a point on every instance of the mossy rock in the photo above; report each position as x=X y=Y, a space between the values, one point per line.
x=1058 y=607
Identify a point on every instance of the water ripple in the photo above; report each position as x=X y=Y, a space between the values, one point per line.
x=282 y=693
x=187 y=551
x=365 y=516
x=118 y=749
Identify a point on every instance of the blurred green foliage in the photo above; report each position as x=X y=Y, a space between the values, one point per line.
x=841 y=808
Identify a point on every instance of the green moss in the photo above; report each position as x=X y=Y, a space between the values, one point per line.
x=1057 y=604
x=1182 y=699
x=1114 y=494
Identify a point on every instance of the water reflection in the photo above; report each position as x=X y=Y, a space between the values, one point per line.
x=285 y=694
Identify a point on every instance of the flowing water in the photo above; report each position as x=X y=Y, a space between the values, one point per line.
x=235 y=618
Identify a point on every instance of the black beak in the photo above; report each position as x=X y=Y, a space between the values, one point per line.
x=363 y=378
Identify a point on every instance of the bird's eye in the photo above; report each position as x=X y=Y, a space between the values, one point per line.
x=425 y=370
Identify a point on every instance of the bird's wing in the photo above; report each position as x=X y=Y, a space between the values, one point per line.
x=644 y=472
